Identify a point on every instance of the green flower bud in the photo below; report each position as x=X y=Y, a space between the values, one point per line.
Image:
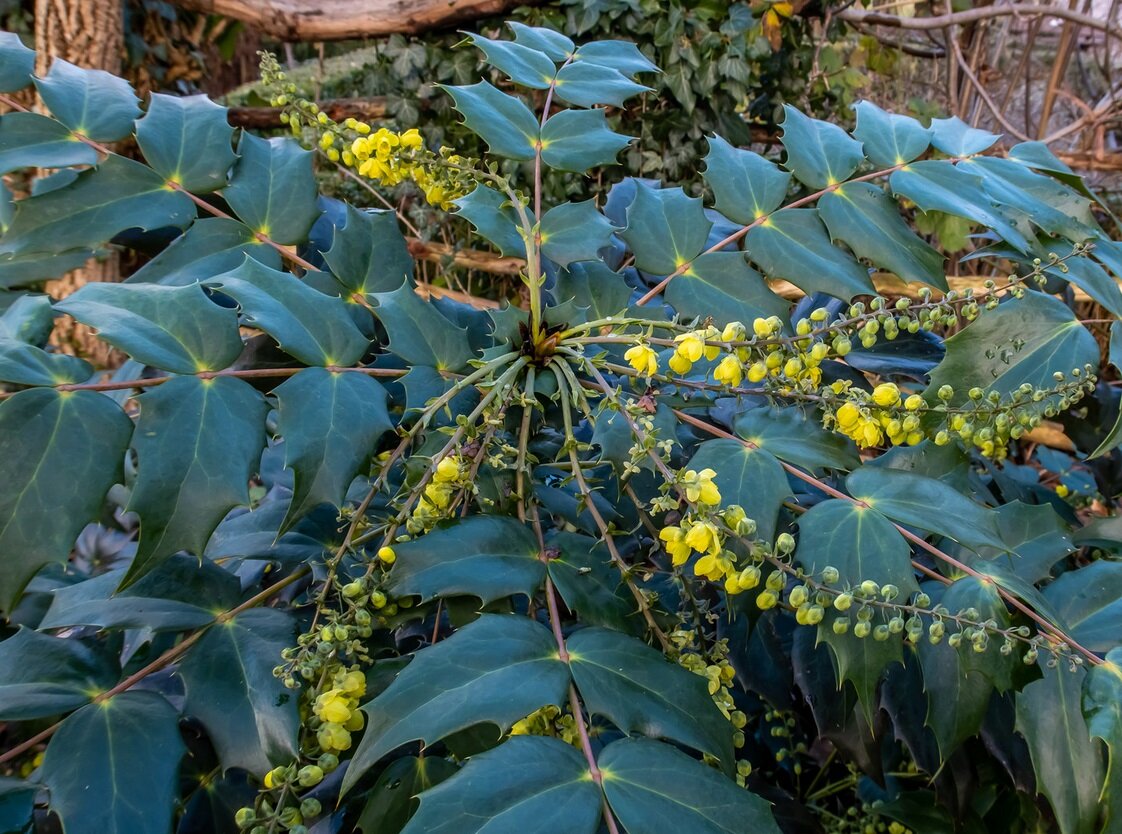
x=841 y=625
x=785 y=543
x=310 y=776
x=245 y=817
x=861 y=629
x=310 y=807
x=843 y=602
x=830 y=575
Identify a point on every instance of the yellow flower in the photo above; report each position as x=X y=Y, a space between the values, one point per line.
x=448 y=469
x=758 y=372
x=690 y=346
x=680 y=364
x=762 y=327
x=700 y=487
x=333 y=706
x=703 y=536
x=675 y=540
x=354 y=684
x=711 y=351
x=643 y=359
x=710 y=567
x=386 y=555
x=412 y=138
x=332 y=736
x=886 y=394
x=734 y=332
x=914 y=402
x=729 y=372
x=847 y=415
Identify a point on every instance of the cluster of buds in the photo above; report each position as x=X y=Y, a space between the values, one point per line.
x=714 y=666
x=448 y=478
x=548 y=721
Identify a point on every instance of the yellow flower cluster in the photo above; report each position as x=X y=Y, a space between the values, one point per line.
x=886 y=413
x=448 y=477
x=642 y=358
x=717 y=671
x=548 y=721
x=338 y=713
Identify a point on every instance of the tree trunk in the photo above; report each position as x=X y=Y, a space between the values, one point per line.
x=89 y=33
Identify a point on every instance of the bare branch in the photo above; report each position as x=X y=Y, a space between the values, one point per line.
x=854 y=15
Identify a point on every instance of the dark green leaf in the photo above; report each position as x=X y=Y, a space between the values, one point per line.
x=956 y=138
x=498 y=669
x=868 y=221
x=17 y=797
x=523 y=64
x=503 y=122
x=640 y=691
x=273 y=189
x=44 y=675
x=31 y=268
x=91 y=102
x=210 y=246
x=612 y=433
x=29 y=140
x=117 y=195
x=889 y=139
x=26 y=364
x=59 y=454
x=531 y=784
x=112 y=768
x=30 y=318
x=819 y=154
x=593 y=287
x=623 y=56
x=861 y=661
x=793 y=244
x=557 y=46
x=665 y=228
x=418 y=332
x=248 y=713
x=17 y=62
x=1102 y=706
x=577 y=140
x=369 y=254
x=307 y=324
x=795 y=437
x=186 y=140
x=590 y=584
x=494 y=218
x=1088 y=602
x=745 y=185
x=175 y=329
x=653 y=788
x=860 y=542
x=1035 y=538
x=749 y=477
x=197 y=443
x=574 y=232
x=586 y=84
x=489 y=557
x=721 y=285
x=393 y=799
x=1114 y=437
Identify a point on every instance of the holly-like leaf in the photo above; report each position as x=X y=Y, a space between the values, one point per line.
x=794 y=245
x=819 y=154
x=197 y=443
x=888 y=138
x=590 y=584
x=91 y=102
x=865 y=218
x=926 y=503
x=17 y=62
x=623 y=56
x=502 y=121
x=210 y=246
x=113 y=767
x=796 y=437
x=492 y=216
x=577 y=140
x=497 y=670
x=331 y=423
x=249 y=715
x=26 y=364
x=640 y=691
x=749 y=477
x=307 y=324
x=419 y=333
x=117 y=195
x=175 y=329
x=186 y=140
x=30 y=140
x=369 y=254
x=17 y=798
x=29 y=318
x=393 y=799
x=745 y=185
x=574 y=232
x=862 y=661
x=721 y=285
x=1088 y=602
x=593 y=287
x=485 y=556
x=523 y=64
x=956 y=138
x=533 y=784
x=1114 y=355
x=43 y=675
x=586 y=84
x=665 y=228
x=557 y=46
x=59 y=454
x=273 y=189
x=25 y=270
x=1102 y=706
x=653 y=788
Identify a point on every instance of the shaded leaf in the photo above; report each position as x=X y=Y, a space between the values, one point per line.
x=745 y=185
x=1114 y=355
x=44 y=675
x=1102 y=706
x=393 y=799
x=369 y=254
x=26 y=364
x=749 y=477
x=795 y=437
x=92 y=102
x=860 y=542
x=590 y=584
x=665 y=228
x=272 y=189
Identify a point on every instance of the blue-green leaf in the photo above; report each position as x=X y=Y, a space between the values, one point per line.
x=369 y=254
x=418 y=332
x=665 y=228
x=722 y=286
x=557 y=46
x=956 y=138
x=586 y=84
x=745 y=185
x=749 y=477
x=819 y=154
x=889 y=139
x=523 y=64
x=1088 y=603
x=17 y=62
x=623 y=56
x=393 y=799
x=176 y=329
x=494 y=218
x=31 y=268
x=210 y=245
x=590 y=583
x=26 y=364
x=94 y=103
x=502 y=121
x=577 y=140
x=574 y=232
x=29 y=318
x=1102 y=706
x=273 y=189
x=42 y=675
x=1114 y=436
x=186 y=139
x=796 y=437
x=29 y=140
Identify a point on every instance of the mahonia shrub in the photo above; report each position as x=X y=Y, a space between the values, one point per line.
x=660 y=551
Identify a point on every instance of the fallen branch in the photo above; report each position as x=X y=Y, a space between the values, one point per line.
x=263 y=118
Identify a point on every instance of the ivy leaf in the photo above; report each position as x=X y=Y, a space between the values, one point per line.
x=1114 y=437
x=577 y=140
x=312 y=327
x=29 y=140
x=590 y=584
x=26 y=364
x=793 y=436
x=653 y=788
x=17 y=62
x=331 y=423
x=91 y=102
x=1024 y=340
x=117 y=195
x=665 y=228
x=249 y=715
x=819 y=154
x=1102 y=706
x=574 y=232
x=868 y=221
x=493 y=218
x=498 y=669
x=45 y=675
x=721 y=285
x=956 y=138
x=1069 y=769
x=485 y=556
x=186 y=140
x=418 y=332
x=190 y=474
x=523 y=64
x=794 y=245
x=555 y=45
x=623 y=56
x=926 y=503
x=640 y=691
x=858 y=541
x=113 y=767
x=745 y=185
x=175 y=329
x=210 y=246
x=749 y=477
x=586 y=84
x=889 y=139
x=1088 y=602
x=369 y=254
x=59 y=454
x=502 y=121
x=273 y=189
x=393 y=799
x=534 y=784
